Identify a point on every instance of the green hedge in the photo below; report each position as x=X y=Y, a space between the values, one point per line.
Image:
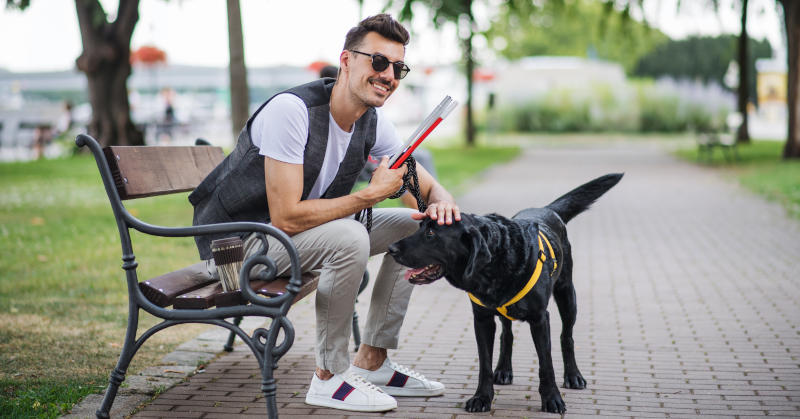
x=639 y=108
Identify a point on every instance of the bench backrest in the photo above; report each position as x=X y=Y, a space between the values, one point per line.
x=142 y=171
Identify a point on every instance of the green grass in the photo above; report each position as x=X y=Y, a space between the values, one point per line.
x=761 y=169
x=47 y=398
x=456 y=166
x=63 y=299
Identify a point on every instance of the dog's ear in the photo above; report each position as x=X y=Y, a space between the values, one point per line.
x=479 y=254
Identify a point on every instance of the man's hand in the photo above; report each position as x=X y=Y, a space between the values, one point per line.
x=444 y=212
x=386 y=182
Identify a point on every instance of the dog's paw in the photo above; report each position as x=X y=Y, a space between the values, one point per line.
x=503 y=377
x=574 y=381
x=553 y=403
x=478 y=404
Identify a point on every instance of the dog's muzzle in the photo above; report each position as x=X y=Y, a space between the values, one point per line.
x=424 y=275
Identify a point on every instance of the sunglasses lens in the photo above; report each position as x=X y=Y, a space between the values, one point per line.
x=400 y=70
x=379 y=62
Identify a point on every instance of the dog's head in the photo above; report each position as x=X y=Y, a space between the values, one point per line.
x=457 y=251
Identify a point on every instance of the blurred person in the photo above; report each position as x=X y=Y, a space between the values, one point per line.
x=329 y=71
x=42 y=137
x=45 y=133
x=66 y=121
x=168 y=120
x=300 y=154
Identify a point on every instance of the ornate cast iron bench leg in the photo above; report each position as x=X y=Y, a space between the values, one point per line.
x=232 y=336
x=128 y=351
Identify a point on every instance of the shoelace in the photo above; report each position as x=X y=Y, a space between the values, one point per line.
x=361 y=383
x=407 y=371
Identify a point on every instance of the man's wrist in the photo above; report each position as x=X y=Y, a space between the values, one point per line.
x=368 y=197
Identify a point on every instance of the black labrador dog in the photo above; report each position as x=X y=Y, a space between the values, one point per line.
x=509 y=267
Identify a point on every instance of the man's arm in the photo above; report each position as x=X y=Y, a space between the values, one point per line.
x=292 y=215
x=441 y=205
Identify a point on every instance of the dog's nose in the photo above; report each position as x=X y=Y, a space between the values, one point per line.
x=393 y=249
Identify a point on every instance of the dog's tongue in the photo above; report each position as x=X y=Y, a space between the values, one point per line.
x=413 y=271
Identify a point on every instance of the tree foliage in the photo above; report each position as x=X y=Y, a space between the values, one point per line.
x=18 y=4
x=705 y=58
x=582 y=28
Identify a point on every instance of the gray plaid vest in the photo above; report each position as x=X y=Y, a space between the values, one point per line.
x=236 y=191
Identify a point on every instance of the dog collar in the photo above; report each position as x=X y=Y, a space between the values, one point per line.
x=537 y=272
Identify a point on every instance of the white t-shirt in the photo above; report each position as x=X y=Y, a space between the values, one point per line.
x=280 y=131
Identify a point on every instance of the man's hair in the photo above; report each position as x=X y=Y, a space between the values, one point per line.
x=383 y=24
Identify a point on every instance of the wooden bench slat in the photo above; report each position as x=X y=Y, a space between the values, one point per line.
x=212 y=294
x=163 y=290
x=199 y=298
x=148 y=171
x=233 y=298
x=274 y=288
x=309 y=285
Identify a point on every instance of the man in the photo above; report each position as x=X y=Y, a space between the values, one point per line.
x=294 y=166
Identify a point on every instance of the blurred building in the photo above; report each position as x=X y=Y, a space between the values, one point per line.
x=519 y=81
x=769 y=121
x=201 y=101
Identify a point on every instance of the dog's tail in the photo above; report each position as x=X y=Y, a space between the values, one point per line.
x=579 y=199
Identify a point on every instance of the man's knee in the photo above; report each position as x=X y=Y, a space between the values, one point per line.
x=348 y=238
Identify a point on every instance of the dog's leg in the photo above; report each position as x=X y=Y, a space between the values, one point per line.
x=548 y=390
x=483 y=321
x=564 y=294
x=504 y=374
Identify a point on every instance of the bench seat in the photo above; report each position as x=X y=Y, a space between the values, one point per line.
x=193 y=288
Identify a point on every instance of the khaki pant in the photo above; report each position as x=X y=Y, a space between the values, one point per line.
x=338 y=251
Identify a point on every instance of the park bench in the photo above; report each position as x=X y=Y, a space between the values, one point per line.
x=724 y=139
x=707 y=142
x=194 y=296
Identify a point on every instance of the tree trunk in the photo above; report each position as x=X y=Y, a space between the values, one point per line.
x=791 y=12
x=240 y=96
x=743 y=133
x=106 y=62
x=469 y=124
x=108 y=95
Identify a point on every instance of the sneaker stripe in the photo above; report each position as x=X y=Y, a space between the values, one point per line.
x=398 y=380
x=343 y=391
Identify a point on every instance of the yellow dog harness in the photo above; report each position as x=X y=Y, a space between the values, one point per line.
x=503 y=309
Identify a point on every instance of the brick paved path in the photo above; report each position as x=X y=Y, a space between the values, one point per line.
x=688 y=294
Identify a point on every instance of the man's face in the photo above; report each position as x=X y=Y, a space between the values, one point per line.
x=366 y=84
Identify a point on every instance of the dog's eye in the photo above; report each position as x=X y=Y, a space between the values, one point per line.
x=429 y=234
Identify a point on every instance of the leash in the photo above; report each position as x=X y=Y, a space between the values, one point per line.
x=410 y=184
x=537 y=272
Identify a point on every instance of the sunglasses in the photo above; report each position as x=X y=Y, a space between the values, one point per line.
x=380 y=63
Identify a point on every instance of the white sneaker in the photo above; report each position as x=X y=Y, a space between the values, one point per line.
x=398 y=380
x=348 y=391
